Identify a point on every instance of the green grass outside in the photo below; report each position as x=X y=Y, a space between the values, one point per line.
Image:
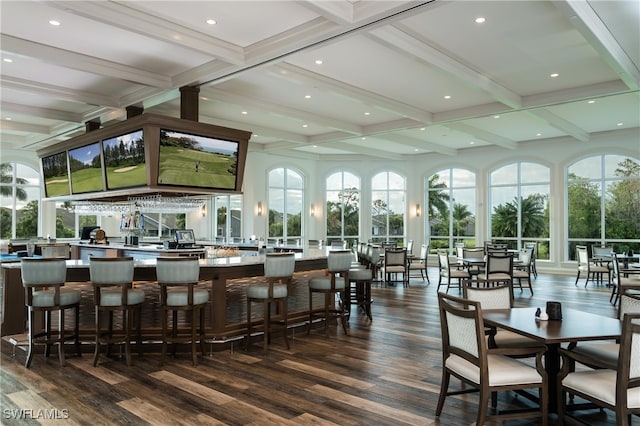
x=178 y=167
x=134 y=177
x=57 y=185
x=86 y=180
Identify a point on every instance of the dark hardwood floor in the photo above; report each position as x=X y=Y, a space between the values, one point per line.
x=386 y=372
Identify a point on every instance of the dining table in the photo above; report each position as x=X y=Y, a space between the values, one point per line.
x=575 y=326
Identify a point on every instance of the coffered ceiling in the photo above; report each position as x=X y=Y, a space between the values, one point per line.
x=327 y=79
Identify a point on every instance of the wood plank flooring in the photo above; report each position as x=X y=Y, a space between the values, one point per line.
x=385 y=372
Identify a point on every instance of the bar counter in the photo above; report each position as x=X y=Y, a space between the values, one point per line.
x=214 y=271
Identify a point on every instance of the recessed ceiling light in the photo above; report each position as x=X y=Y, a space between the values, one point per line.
x=423 y=128
x=305 y=125
x=538 y=134
x=8 y=60
x=204 y=98
x=496 y=116
x=367 y=113
x=315 y=146
x=416 y=150
x=447 y=96
x=307 y=96
x=480 y=20
x=472 y=142
x=554 y=75
x=318 y=61
x=211 y=21
x=8 y=118
x=591 y=102
x=620 y=124
x=244 y=113
x=54 y=23
x=364 y=138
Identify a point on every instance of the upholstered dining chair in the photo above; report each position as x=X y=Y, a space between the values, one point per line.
x=465 y=355
x=338 y=265
x=278 y=271
x=420 y=264
x=112 y=281
x=534 y=256
x=396 y=263
x=43 y=281
x=450 y=273
x=178 y=278
x=623 y=280
x=498 y=270
x=592 y=271
x=617 y=389
x=522 y=270
x=501 y=297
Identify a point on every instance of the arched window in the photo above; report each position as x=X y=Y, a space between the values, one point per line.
x=286 y=190
x=388 y=192
x=227 y=222
x=603 y=203
x=451 y=207
x=519 y=201
x=19 y=201
x=343 y=207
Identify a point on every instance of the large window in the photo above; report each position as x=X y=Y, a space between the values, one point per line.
x=227 y=220
x=286 y=190
x=520 y=206
x=343 y=207
x=19 y=201
x=603 y=203
x=451 y=208
x=388 y=207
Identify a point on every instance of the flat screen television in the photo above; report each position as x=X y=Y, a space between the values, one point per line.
x=192 y=160
x=56 y=175
x=124 y=160
x=185 y=237
x=85 y=165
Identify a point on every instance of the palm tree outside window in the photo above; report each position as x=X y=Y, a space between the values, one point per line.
x=19 y=201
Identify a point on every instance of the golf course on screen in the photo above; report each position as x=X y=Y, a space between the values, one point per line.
x=86 y=169
x=124 y=160
x=189 y=160
x=56 y=176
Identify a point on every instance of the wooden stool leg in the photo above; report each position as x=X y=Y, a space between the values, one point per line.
x=127 y=323
x=31 y=337
x=98 y=327
x=165 y=334
x=202 y=310
x=76 y=329
x=284 y=310
x=194 y=354
x=61 y=336
x=246 y=343
x=267 y=325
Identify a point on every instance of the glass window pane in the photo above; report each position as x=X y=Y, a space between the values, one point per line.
x=276 y=178
x=532 y=173
x=505 y=175
x=589 y=168
x=396 y=181
x=294 y=180
x=379 y=181
x=584 y=209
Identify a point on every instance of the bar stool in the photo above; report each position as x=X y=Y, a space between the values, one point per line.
x=360 y=293
x=112 y=281
x=178 y=279
x=43 y=281
x=278 y=268
x=338 y=263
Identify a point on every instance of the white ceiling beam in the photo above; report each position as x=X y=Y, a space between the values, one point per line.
x=482 y=135
x=596 y=32
x=401 y=39
x=57 y=92
x=141 y=21
x=419 y=143
x=560 y=123
x=340 y=11
x=47 y=113
x=293 y=73
x=574 y=94
x=80 y=62
x=363 y=150
x=296 y=114
x=16 y=126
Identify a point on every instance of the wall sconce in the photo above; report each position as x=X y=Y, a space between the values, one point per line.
x=312 y=210
x=418 y=210
x=203 y=210
x=259 y=208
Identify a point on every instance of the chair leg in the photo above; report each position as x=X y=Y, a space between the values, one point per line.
x=165 y=334
x=76 y=329
x=246 y=342
x=444 y=387
x=31 y=337
x=194 y=353
x=284 y=310
x=127 y=323
x=267 y=325
x=482 y=408
x=96 y=353
x=61 y=337
x=202 y=310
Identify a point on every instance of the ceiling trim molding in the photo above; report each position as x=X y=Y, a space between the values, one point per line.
x=485 y=136
x=560 y=123
x=419 y=143
x=48 y=113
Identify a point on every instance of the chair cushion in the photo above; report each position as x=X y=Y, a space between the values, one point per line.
x=600 y=384
x=44 y=298
x=509 y=339
x=325 y=283
x=113 y=296
x=502 y=370
x=262 y=291
x=500 y=276
x=179 y=296
x=360 y=274
x=394 y=269
x=600 y=351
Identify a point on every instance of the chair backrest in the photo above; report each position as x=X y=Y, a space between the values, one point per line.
x=459 y=250
x=499 y=263
x=279 y=265
x=462 y=330
x=601 y=251
x=374 y=254
x=498 y=297
x=338 y=244
x=177 y=270
x=339 y=261
x=111 y=270
x=628 y=371
x=395 y=257
x=582 y=255
x=629 y=304
x=615 y=267
x=471 y=252
x=40 y=272
x=443 y=259
x=496 y=248
x=55 y=250
x=410 y=246
x=424 y=252
x=532 y=245
x=526 y=257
